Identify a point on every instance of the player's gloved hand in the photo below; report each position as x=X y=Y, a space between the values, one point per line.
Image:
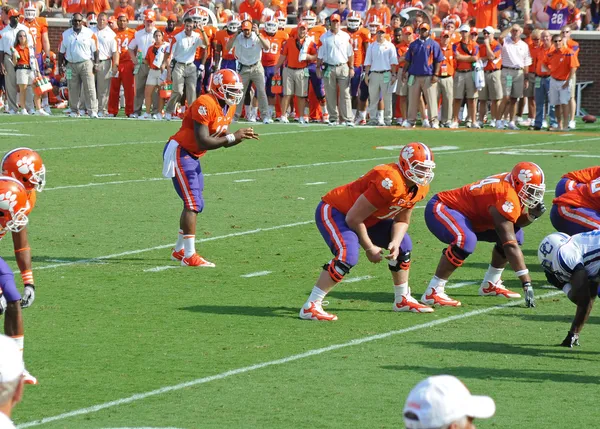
x=3 y=303
x=529 y=296
x=570 y=340
x=538 y=210
x=28 y=296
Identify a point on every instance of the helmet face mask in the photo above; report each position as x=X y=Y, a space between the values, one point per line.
x=14 y=205
x=271 y=26
x=353 y=23
x=416 y=163
x=281 y=20
x=527 y=179
x=310 y=18
x=233 y=25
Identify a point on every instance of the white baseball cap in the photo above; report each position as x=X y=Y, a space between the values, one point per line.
x=11 y=362
x=490 y=29
x=464 y=27
x=440 y=400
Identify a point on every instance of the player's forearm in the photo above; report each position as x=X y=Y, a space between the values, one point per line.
x=23 y=254
x=399 y=230
x=581 y=315
x=515 y=259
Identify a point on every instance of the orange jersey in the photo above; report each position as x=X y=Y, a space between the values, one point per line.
x=127 y=10
x=168 y=37
x=447 y=66
x=475 y=199
x=486 y=13
x=533 y=52
x=124 y=37
x=74 y=6
x=497 y=50
x=205 y=110
x=540 y=68
x=316 y=32
x=254 y=11
x=384 y=187
x=210 y=35
x=560 y=62
x=401 y=49
x=271 y=55
x=221 y=39
x=24 y=55
x=97 y=6
x=587 y=196
x=358 y=39
x=166 y=6
x=473 y=48
x=383 y=14
x=584 y=176
x=37 y=27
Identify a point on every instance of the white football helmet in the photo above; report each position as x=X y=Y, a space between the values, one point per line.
x=29 y=11
x=281 y=19
x=310 y=18
x=271 y=26
x=354 y=20
x=548 y=251
x=233 y=23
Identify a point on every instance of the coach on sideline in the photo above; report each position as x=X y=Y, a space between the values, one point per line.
x=11 y=380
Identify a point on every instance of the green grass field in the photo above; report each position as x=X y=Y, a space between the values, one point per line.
x=118 y=340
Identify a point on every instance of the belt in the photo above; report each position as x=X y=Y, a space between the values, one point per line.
x=542 y=75
x=512 y=68
x=334 y=65
x=380 y=71
x=108 y=59
x=464 y=71
x=490 y=71
x=185 y=64
x=296 y=68
x=248 y=65
x=22 y=67
x=444 y=77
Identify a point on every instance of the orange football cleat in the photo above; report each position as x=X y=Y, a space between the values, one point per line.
x=491 y=289
x=408 y=303
x=177 y=255
x=314 y=311
x=28 y=378
x=196 y=261
x=439 y=297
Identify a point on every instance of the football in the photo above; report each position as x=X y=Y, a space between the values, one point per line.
x=589 y=119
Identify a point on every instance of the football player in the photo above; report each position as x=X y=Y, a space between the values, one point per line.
x=226 y=59
x=373 y=212
x=15 y=205
x=270 y=58
x=572 y=265
x=577 y=210
x=573 y=179
x=359 y=38
x=204 y=127
x=492 y=210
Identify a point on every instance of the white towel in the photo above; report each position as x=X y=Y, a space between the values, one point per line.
x=170 y=159
x=304 y=51
x=478 y=75
x=160 y=55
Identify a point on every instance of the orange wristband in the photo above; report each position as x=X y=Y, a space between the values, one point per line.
x=27 y=277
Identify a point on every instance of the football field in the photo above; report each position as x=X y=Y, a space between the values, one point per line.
x=120 y=336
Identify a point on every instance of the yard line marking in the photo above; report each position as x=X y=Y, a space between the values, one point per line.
x=457 y=285
x=244 y=180
x=315 y=183
x=564 y=135
x=6 y=129
x=293 y=358
x=317 y=164
x=33 y=122
x=106 y=175
x=256 y=274
x=157 y=269
x=357 y=279
x=586 y=156
x=512 y=132
x=15 y=134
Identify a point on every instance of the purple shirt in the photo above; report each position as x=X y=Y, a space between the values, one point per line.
x=422 y=55
x=558 y=18
x=359 y=5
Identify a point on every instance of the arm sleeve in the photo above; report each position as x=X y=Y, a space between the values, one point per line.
x=569 y=261
x=508 y=206
x=203 y=115
x=378 y=193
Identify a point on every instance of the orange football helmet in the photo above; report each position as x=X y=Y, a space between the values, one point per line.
x=528 y=180
x=26 y=166
x=233 y=23
x=14 y=205
x=416 y=163
x=374 y=24
x=227 y=85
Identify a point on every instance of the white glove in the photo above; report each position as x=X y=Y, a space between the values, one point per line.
x=529 y=295
x=3 y=303
x=28 y=296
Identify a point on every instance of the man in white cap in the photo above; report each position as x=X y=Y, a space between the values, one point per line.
x=11 y=379
x=443 y=401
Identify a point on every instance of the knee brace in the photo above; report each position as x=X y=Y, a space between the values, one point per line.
x=455 y=255
x=337 y=269
x=498 y=248
x=401 y=263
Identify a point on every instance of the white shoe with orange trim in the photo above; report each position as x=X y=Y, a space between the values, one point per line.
x=497 y=289
x=177 y=255
x=438 y=296
x=314 y=311
x=196 y=261
x=408 y=303
x=28 y=378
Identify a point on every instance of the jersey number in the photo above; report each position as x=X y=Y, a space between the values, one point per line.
x=221 y=129
x=393 y=212
x=274 y=49
x=557 y=19
x=595 y=186
x=482 y=183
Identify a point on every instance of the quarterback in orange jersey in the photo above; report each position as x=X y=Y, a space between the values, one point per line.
x=373 y=212
x=204 y=127
x=26 y=167
x=491 y=210
x=578 y=210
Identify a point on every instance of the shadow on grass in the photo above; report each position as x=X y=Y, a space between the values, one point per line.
x=486 y=373
x=386 y=297
x=238 y=310
x=560 y=318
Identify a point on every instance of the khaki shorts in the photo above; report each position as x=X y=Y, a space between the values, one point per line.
x=24 y=77
x=153 y=78
x=295 y=82
x=573 y=84
x=493 y=87
x=530 y=90
x=518 y=80
x=557 y=95
x=402 y=88
x=464 y=86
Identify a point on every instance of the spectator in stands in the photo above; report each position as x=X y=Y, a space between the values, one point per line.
x=380 y=75
x=466 y=52
x=11 y=379
x=138 y=48
x=446 y=79
x=559 y=12
x=538 y=13
x=443 y=401
x=593 y=16
x=337 y=55
x=73 y=6
x=126 y=9
x=508 y=6
x=108 y=55
x=486 y=13
x=421 y=71
x=490 y=51
x=515 y=65
x=565 y=32
x=79 y=48
x=381 y=11
x=97 y=6
x=254 y=8
x=342 y=10
x=542 y=85
x=562 y=63
x=360 y=6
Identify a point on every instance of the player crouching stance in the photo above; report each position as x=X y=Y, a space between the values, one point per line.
x=490 y=210
x=373 y=212
x=204 y=127
x=572 y=265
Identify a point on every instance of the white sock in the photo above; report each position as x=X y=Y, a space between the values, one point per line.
x=354 y=113
x=436 y=283
x=363 y=114
x=255 y=111
x=19 y=339
x=324 y=109
x=380 y=115
x=248 y=110
x=179 y=244
x=316 y=295
x=492 y=275
x=189 y=245
x=400 y=291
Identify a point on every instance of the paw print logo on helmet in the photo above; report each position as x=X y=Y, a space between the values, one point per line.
x=227 y=85
x=26 y=166
x=14 y=205
x=527 y=179
x=416 y=163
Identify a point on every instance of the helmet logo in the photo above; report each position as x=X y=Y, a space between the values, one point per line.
x=407 y=152
x=218 y=78
x=508 y=207
x=25 y=165
x=525 y=175
x=387 y=183
x=546 y=248
x=8 y=201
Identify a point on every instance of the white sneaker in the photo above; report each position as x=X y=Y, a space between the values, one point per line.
x=497 y=289
x=301 y=121
x=267 y=121
x=475 y=125
x=157 y=116
x=499 y=124
x=572 y=125
x=544 y=124
x=145 y=116
x=47 y=110
x=100 y=115
x=351 y=124
x=426 y=123
x=94 y=115
x=332 y=124
x=526 y=122
x=512 y=126
x=23 y=112
x=408 y=303
x=42 y=112
x=28 y=378
x=168 y=116
x=438 y=296
x=519 y=120
x=493 y=123
x=133 y=116
x=74 y=115
x=435 y=125
x=399 y=121
x=380 y=124
x=407 y=124
x=82 y=112
x=11 y=112
x=453 y=125
x=314 y=311
x=284 y=120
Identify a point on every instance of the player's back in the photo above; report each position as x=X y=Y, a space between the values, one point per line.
x=585 y=175
x=581 y=248
x=586 y=196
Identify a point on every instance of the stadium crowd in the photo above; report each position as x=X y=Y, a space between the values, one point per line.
x=388 y=68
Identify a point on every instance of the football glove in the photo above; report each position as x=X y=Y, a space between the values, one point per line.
x=571 y=340
x=529 y=296
x=538 y=210
x=3 y=303
x=28 y=296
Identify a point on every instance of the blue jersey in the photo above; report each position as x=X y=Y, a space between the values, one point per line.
x=423 y=55
x=581 y=251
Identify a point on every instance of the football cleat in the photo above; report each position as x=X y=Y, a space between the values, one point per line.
x=325 y=117
x=177 y=255
x=28 y=378
x=408 y=303
x=196 y=261
x=439 y=297
x=491 y=289
x=314 y=311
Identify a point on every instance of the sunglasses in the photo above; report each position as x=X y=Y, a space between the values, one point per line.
x=557 y=41
x=536 y=40
x=78 y=20
x=565 y=32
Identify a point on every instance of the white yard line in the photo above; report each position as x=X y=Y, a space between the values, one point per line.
x=357 y=279
x=316 y=164
x=256 y=274
x=315 y=183
x=244 y=180
x=292 y=358
x=14 y=134
x=457 y=285
x=164 y=267
x=106 y=175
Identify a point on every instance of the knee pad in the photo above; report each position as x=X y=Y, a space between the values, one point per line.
x=455 y=255
x=337 y=269
x=498 y=248
x=401 y=263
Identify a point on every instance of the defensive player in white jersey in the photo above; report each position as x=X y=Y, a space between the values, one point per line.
x=573 y=265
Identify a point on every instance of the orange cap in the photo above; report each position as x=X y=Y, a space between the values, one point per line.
x=424 y=26
x=149 y=15
x=13 y=12
x=172 y=17
x=335 y=17
x=246 y=25
x=407 y=30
